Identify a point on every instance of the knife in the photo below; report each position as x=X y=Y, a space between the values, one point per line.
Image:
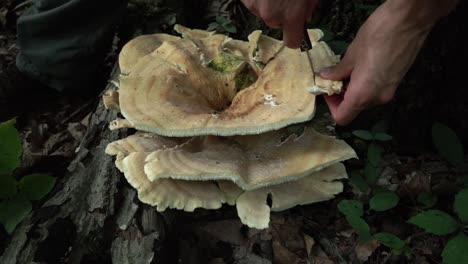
x=306 y=47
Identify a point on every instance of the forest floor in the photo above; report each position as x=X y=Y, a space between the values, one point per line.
x=410 y=166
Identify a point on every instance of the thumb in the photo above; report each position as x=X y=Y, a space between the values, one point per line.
x=338 y=72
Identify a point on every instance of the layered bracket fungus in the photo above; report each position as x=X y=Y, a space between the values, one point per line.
x=214 y=115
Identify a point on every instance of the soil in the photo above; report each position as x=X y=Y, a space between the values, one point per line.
x=433 y=90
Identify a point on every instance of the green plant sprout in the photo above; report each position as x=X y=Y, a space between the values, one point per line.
x=16 y=196
x=434 y=221
x=369 y=176
x=441 y=223
x=353 y=212
x=222 y=25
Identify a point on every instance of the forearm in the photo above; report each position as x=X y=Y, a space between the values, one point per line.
x=421 y=14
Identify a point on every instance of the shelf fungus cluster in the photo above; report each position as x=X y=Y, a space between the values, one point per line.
x=216 y=123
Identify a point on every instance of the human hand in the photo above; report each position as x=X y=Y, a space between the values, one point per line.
x=377 y=60
x=291 y=16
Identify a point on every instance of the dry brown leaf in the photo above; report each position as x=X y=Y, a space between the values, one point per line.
x=365 y=250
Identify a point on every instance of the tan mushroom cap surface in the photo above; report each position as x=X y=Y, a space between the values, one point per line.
x=189 y=195
x=131 y=153
x=231 y=191
x=193 y=34
x=251 y=162
x=140 y=46
x=254 y=211
x=170 y=91
x=168 y=193
x=196 y=100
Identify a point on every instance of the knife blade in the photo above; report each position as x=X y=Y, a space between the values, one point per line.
x=306 y=47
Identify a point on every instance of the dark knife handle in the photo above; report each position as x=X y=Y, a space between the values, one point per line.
x=306 y=43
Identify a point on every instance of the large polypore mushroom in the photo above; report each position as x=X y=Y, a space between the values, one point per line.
x=249 y=161
x=251 y=87
x=225 y=103
x=205 y=172
x=184 y=195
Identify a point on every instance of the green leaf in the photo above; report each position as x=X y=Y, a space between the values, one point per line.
x=221 y=20
x=358 y=181
x=374 y=154
x=371 y=173
x=435 y=222
x=7 y=186
x=230 y=28
x=407 y=251
x=351 y=208
x=327 y=35
x=427 y=199
x=212 y=26
x=465 y=181
x=23 y=4
x=404 y=250
x=447 y=143
x=390 y=240
x=364 y=237
x=380 y=136
x=338 y=46
x=36 y=186
x=455 y=252
x=461 y=205
x=384 y=201
x=363 y=134
x=361 y=227
x=10 y=147
x=12 y=212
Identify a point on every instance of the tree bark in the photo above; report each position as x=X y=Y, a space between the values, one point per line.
x=93 y=216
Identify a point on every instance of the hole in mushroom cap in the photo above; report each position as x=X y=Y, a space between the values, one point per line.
x=269 y=200
x=242 y=76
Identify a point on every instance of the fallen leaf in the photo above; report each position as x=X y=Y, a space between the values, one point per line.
x=288 y=242
x=418 y=182
x=365 y=250
x=309 y=243
x=225 y=230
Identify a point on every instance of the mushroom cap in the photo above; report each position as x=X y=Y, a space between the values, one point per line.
x=188 y=195
x=138 y=47
x=254 y=211
x=172 y=92
x=169 y=193
x=140 y=142
x=231 y=191
x=111 y=100
x=131 y=153
x=251 y=162
x=192 y=33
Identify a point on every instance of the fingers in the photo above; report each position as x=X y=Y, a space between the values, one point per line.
x=251 y=5
x=293 y=34
x=270 y=13
x=345 y=108
x=288 y=15
x=310 y=10
x=341 y=71
x=296 y=18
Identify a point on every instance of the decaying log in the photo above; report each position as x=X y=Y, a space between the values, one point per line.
x=91 y=216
